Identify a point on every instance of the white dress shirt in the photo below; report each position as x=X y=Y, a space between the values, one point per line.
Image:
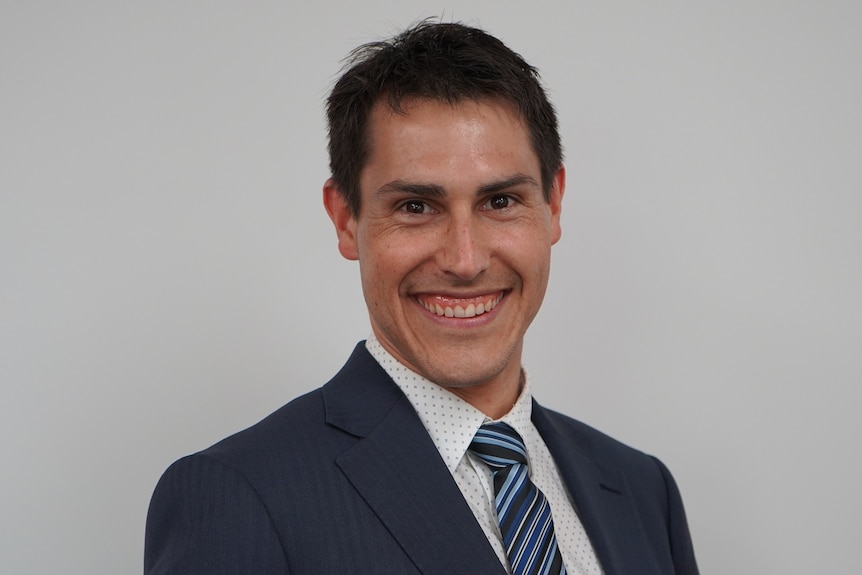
x=452 y=422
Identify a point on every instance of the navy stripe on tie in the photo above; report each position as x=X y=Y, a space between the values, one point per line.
x=522 y=510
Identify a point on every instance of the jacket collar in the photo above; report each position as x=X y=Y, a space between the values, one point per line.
x=396 y=469
x=601 y=497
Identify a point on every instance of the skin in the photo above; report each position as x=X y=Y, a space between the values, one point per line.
x=452 y=214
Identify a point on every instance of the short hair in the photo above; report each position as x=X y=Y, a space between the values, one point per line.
x=446 y=62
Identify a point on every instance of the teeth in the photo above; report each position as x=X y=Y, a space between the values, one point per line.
x=472 y=310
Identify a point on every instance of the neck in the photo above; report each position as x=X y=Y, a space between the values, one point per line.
x=494 y=398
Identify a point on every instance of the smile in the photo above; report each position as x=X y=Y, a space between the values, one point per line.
x=464 y=308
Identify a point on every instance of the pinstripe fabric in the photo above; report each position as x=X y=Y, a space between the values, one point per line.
x=522 y=510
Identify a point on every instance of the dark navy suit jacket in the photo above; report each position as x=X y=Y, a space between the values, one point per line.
x=346 y=480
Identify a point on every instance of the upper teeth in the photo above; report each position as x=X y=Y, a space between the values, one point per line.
x=470 y=310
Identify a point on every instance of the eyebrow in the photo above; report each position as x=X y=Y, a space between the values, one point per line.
x=514 y=181
x=413 y=189
x=437 y=191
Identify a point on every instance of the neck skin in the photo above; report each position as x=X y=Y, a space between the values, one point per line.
x=495 y=404
x=493 y=397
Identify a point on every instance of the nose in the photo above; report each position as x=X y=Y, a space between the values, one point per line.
x=464 y=254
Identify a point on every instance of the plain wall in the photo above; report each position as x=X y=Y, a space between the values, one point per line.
x=168 y=274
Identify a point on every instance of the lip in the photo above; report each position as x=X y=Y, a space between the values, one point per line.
x=460 y=307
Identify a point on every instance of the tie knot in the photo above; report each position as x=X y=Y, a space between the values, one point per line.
x=499 y=446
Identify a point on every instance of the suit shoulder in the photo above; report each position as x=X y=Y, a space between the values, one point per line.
x=562 y=433
x=301 y=434
x=283 y=433
x=580 y=432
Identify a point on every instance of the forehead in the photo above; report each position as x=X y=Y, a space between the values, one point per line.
x=460 y=135
x=384 y=114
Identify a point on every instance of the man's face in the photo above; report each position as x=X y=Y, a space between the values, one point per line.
x=453 y=238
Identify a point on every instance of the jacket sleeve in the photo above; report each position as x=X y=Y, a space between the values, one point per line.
x=206 y=518
x=682 y=549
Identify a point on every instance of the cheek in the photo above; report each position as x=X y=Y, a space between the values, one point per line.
x=394 y=256
x=383 y=269
x=530 y=246
x=531 y=258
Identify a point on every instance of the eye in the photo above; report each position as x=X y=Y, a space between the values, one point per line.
x=498 y=202
x=415 y=207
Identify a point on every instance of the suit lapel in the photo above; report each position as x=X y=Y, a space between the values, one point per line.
x=602 y=500
x=397 y=470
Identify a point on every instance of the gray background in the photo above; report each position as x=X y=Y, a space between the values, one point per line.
x=169 y=275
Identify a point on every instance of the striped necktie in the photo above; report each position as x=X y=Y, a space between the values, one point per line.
x=522 y=510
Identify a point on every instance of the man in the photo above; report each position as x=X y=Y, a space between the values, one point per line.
x=426 y=453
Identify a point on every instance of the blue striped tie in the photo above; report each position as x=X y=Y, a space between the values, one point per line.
x=522 y=510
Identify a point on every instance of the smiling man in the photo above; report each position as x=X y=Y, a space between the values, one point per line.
x=426 y=453
x=454 y=238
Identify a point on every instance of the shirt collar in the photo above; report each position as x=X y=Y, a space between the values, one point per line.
x=450 y=421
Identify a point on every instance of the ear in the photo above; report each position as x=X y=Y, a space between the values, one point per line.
x=342 y=218
x=558 y=188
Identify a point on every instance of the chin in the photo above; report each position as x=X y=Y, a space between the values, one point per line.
x=468 y=376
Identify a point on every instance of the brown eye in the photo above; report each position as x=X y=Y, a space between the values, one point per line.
x=499 y=202
x=414 y=207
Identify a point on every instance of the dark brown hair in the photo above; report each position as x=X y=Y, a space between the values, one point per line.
x=447 y=62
